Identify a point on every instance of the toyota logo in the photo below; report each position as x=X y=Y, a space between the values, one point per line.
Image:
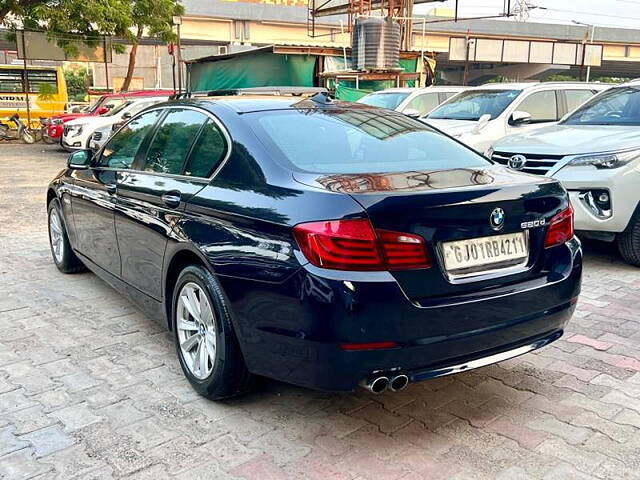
x=517 y=162
x=496 y=219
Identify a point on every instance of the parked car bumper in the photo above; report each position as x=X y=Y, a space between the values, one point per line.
x=621 y=184
x=298 y=331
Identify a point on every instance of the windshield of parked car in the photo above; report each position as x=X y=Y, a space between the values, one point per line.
x=358 y=140
x=616 y=106
x=472 y=104
x=389 y=100
x=95 y=105
x=118 y=109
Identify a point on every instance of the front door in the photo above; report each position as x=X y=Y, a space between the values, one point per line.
x=95 y=196
x=93 y=202
x=543 y=108
x=152 y=195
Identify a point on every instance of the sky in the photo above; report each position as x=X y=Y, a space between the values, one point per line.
x=605 y=13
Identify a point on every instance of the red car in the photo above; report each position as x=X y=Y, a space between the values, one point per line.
x=101 y=106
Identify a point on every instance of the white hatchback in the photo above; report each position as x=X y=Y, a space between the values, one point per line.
x=481 y=115
x=595 y=153
x=411 y=101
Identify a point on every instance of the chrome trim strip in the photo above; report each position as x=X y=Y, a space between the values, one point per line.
x=482 y=362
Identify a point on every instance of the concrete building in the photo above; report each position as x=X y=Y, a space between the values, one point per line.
x=221 y=26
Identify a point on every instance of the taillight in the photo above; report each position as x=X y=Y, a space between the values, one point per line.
x=560 y=228
x=355 y=245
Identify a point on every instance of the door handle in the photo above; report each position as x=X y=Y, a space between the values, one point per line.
x=111 y=188
x=172 y=198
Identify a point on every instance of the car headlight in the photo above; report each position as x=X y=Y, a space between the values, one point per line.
x=75 y=130
x=606 y=160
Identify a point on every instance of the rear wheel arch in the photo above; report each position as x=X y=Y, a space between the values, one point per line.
x=179 y=261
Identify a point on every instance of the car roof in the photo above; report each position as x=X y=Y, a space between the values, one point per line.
x=258 y=103
x=453 y=88
x=140 y=93
x=537 y=85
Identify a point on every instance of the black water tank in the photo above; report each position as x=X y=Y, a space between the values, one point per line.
x=376 y=44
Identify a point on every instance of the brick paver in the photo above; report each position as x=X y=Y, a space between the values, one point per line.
x=90 y=388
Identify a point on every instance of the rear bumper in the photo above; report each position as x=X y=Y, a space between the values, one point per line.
x=292 y=332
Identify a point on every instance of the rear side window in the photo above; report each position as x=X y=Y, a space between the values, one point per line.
x=207 y=153
x=121 y=150
x=575 y=98
x=172 y=141
x=358 y=141
x=541 y=105
x=424 y=103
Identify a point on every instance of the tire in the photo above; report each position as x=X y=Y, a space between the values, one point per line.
x=629 y=242
x=48 y=140
x=223 y=373
x=65 y=258
x=28 y=137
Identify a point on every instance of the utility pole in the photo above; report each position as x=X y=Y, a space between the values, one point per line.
x=177 y=21
x=521 y=10
x=584 y=47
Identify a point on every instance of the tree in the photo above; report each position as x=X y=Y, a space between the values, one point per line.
x=154 y=16
x=91 y=19
x=76 y=80
x=16 y=7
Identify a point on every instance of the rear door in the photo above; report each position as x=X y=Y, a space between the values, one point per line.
x=174 y=166
x=573 y=98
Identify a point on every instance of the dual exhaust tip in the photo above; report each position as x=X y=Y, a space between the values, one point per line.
x=379 y=384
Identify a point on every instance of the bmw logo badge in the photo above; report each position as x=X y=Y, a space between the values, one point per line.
x=496 y=219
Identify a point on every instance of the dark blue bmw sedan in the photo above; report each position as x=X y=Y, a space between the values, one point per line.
x=320 y=243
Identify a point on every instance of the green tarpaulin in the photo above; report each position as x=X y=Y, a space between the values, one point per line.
x=349 y=94
x=257 y=69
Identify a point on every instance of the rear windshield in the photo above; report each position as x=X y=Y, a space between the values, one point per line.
x=616 y=106
x=358 y=141
x=384 y=100
x=472 y=104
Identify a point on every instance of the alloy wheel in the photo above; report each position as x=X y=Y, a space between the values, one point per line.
x=196 y=330
x=56 y=236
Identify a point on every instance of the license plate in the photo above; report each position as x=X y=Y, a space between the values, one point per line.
x=481 y=251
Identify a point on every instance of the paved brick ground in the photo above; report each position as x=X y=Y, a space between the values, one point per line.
x=91 y=389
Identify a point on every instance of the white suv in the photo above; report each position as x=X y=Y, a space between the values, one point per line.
x=481 y=115
x=595 y=153
x=412 y=101
x=77 y=133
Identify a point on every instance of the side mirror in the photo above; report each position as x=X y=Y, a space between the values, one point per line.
x=102 y=110
x=126 y=115
x=79 y=160
x=520 y=118
x=116 y=126
x=482 y=122
x=411 y=112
